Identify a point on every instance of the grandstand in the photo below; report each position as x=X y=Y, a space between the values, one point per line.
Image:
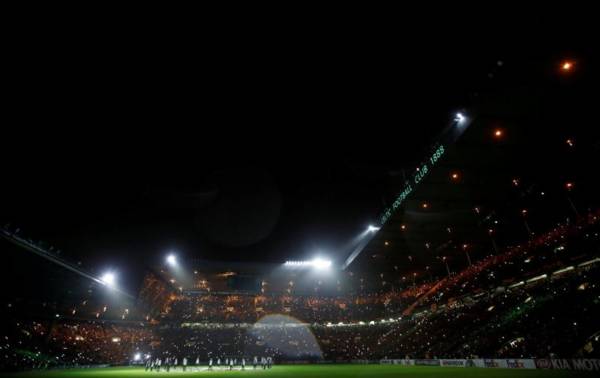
x=513 y=305
x=475 y=252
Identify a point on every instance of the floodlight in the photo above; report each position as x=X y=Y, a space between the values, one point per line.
x=108 y=279
x=321 y=264
x=372 y=228
x=172 y=259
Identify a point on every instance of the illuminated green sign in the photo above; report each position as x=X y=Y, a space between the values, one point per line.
x=421 y=173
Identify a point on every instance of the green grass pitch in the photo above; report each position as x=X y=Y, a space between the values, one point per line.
x=325 y=371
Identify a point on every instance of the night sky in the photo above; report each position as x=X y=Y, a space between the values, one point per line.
x=246 y=147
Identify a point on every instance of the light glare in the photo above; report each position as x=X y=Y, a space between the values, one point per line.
x=321 y=264
x=372 y=229
x=317 y=263
x=108 y=279
x=172 y=260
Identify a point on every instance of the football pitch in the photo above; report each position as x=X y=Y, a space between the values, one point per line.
x=325 y=371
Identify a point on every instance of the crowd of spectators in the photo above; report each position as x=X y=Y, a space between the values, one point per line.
x=540 y=299
x=214 y=307
x=39 y=344
x=550 y=317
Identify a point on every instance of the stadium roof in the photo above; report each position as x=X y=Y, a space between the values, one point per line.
x=506 y=175
x=291 y=151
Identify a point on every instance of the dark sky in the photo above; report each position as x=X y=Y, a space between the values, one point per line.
x=237 y=146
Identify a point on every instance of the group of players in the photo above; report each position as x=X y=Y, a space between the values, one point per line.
x=171 y=363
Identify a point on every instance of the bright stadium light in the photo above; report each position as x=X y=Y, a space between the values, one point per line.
x=298 y=263
x=172 y=260
x=108 y=279
x=372 y=228
x=317 y=263
x=321 y=264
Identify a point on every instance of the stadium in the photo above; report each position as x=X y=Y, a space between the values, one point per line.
x=465 y=244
